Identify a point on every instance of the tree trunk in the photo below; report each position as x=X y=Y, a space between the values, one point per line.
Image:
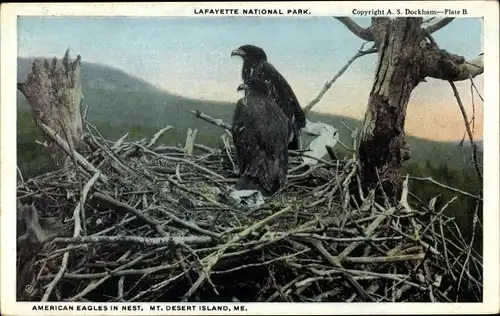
x=383 y=147
x=55 y=93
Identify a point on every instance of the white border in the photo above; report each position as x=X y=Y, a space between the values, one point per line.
x=487 y=9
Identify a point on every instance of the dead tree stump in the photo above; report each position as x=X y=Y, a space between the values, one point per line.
x=54 y=92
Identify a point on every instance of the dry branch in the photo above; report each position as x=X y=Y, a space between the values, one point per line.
x=438 y=25
x=217 y=122
x=167 y=232
x=145 y=241
x=429 y=179
x=469 y=132
x=221 y=123
x=363 y=33
x=69 y=151
x=329 y=83
x=76 y=232
x=440 y=64
x=154 y=238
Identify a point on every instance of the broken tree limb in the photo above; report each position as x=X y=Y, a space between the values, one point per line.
x=221 y=123
x=439 y=64
x=429 y=179
x=217 y=122
x=190 y=137
x=157 y=135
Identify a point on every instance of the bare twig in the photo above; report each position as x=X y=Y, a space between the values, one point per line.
x=76 y=233
x=137 y=213
x=469 y=132
x=182 y=231
x=217 y=122
x=329 y=83
x=214 y=258
x=446 y=187
x=144 y=241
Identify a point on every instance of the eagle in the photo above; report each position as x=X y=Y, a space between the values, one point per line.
x=255 y=64
x=261 y=133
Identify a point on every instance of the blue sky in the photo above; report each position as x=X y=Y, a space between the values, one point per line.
x=191 y=57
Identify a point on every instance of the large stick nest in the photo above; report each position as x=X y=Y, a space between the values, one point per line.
x=140 y=222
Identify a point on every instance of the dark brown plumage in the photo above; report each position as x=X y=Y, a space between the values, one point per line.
x=261 y=133
x=255 y=64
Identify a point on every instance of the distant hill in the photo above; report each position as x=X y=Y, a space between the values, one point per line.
x=116 y=97
x=96 y=76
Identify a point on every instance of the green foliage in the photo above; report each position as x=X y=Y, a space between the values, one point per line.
x=32 y=158
x=462 y=209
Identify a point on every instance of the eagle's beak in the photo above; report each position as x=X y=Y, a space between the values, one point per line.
x=242 y=86
x=237 y=52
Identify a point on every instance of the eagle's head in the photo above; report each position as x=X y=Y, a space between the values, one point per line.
x=250 y=53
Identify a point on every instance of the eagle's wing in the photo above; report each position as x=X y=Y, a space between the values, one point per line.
x=247 y=137
x=282 y=92
x=260 y=134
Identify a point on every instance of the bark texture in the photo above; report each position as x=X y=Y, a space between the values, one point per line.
x=407 y=54
x=54 y=92
x=383 y=147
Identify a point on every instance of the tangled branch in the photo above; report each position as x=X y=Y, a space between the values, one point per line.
x=150 y=237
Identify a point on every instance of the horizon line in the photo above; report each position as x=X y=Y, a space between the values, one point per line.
x=221 y=102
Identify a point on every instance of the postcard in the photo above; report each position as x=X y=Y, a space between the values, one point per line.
x=249 y=157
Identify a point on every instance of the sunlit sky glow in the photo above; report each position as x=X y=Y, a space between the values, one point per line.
x=191 y=57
